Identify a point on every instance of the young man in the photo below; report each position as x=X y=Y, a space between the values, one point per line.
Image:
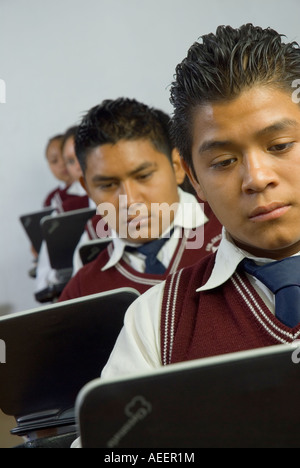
x=132 y=173
x=237 y=126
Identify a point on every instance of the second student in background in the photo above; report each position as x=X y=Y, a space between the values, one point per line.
x=126 y=153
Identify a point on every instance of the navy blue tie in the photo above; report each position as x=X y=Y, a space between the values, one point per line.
x=150 y=250
x=283 y=279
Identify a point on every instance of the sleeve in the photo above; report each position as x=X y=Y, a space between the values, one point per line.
x=137 y=348
x=72 y=290
x=45 y=274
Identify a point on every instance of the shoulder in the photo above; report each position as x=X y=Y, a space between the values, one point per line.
x=96 y=265
x=47 y=201
x=88 y=279
x=75 y=202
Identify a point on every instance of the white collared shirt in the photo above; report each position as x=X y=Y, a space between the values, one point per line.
x=189 y=215
x=76 y=189
x=138 y=345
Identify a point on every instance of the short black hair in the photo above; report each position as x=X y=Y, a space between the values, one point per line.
x=122 y=119
x=221 y=66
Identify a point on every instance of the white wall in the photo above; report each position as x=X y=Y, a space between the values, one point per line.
x=60 y=57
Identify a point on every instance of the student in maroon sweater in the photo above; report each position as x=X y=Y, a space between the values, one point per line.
x=74 y=198
x=132 y=172
x=237 y=126
x=59 y=170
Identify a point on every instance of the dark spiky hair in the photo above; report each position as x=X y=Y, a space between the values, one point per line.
x=122 y=119
x=221 y=66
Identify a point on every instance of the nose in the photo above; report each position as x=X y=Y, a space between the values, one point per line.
x=63 y=166
x=131 y=190
x=258 y=172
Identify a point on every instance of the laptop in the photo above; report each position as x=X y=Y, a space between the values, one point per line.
x=245 y=400
x=31 y=224
x=62 y=234
x=90 y=250
x=51 y=352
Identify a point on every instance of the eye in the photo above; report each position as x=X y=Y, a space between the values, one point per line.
x=145 y=176
x=280 y=147
x=224 y=163
x=108 y=186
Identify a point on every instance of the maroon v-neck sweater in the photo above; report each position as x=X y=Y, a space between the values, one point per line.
x=229 y=318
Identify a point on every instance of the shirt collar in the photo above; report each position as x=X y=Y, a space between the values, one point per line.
x=188 y=216
x=76 y=189
x=228 y=258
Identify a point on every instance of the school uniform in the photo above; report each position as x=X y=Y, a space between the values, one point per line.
x=207 y=309
x=56 y=197
x=76 y=198
x=116 y=267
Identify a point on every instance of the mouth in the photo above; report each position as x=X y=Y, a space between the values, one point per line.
x=269 y=212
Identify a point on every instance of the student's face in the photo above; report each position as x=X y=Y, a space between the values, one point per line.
x=246 y=155
x=56 y=162
x=136 y=170
x=71 y=160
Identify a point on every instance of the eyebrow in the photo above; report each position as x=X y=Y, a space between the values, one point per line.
x=278 y=126
x=213 y=144
x=142 y=167
x=275 y=127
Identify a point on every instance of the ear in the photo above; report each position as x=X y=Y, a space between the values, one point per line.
x=83 y=184
x=178 y=169
x=190 y=173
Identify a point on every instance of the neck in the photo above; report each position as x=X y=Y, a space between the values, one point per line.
x=276 y=254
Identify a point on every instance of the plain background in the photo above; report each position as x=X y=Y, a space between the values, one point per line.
x=58 y=58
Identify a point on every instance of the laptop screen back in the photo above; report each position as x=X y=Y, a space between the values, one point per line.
x=246 y=399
